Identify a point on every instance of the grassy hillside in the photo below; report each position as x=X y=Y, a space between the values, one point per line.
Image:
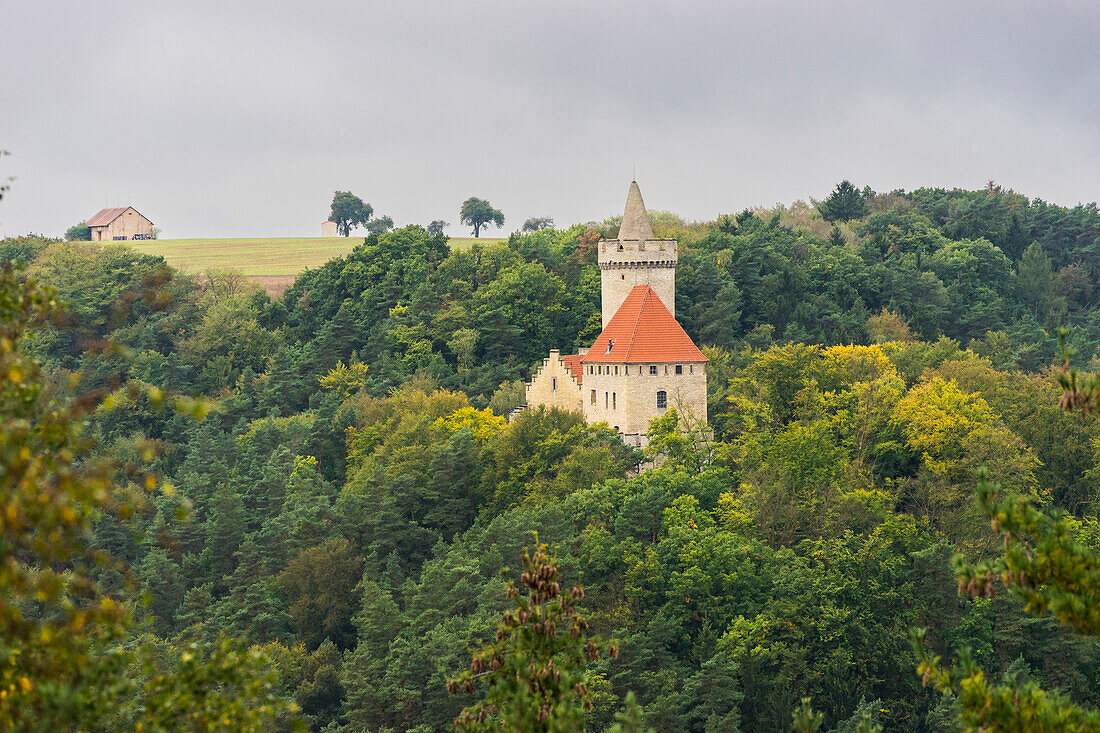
x=271 y=262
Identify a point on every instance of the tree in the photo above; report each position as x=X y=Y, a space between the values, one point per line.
x=349 y=211
x=79 y=232
x=538 y=223
x=319 y=587
x=535 y=669
x=437 y=226
x=67 y=661
x=380 y=224
x=1039 y=286
x=846 y=202
x=887 y=326
x=1045 y=564
x=477 y=213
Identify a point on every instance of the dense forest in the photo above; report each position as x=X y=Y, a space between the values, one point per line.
x=344 y=496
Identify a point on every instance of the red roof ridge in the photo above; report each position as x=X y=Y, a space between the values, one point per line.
x=634 y=334
x=643 y=330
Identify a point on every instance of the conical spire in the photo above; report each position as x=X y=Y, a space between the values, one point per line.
x=635 y=220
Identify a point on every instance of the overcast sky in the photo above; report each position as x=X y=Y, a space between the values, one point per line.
x=241 y=118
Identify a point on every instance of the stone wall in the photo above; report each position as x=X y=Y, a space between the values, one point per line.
x=625 y=264
x=554 y=385
x=627 y=399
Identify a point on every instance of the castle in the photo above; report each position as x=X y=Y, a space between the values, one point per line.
x=643 y=362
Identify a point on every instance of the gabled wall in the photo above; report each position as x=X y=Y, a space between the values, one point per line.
x=554 y=385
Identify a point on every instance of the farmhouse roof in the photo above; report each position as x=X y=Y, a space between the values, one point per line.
x=106 y=216
x=635 y=224
x=643 y=331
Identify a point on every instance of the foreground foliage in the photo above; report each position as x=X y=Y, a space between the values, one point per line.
x=1046 y=565
x=535 y=669
x=66 y=659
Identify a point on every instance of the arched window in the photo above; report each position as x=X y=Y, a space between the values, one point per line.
x=662 y=399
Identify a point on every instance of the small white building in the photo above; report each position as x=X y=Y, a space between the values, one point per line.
x=328 y=229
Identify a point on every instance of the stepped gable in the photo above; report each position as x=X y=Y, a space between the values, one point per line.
x=573 y=361
x=635 y=224
x=643 y=331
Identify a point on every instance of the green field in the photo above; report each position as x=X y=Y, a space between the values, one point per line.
x=271 y=262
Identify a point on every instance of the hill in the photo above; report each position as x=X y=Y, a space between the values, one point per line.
x=271 y=262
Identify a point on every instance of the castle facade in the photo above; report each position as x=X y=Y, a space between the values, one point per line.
x=643 y=362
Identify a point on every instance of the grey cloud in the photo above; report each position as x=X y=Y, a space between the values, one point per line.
x=240 y=119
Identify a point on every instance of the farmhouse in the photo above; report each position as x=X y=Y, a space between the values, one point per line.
x=643 y=362
x=120 y=223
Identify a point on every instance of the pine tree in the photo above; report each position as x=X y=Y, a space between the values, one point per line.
x=252 y=609
x=535 y=671
x=844 y=203
x=378 y=623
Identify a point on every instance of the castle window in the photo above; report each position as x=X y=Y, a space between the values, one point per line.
x=691 y=369
x=553 y=384
x=622 y=277
x=616 y=370
x=593 y=397
x=652 y=370
x=610 y=345
x=620 y=248
x=666 y=370
x=605 y=400
x=679 y=368
x=612 y=400
x=662 y=399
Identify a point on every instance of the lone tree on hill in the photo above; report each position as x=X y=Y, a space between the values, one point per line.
x=349 y=211
x=477 y=213
x=845 y=202
x=538 y=223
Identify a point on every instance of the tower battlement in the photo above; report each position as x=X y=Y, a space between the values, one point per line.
x=636 y=257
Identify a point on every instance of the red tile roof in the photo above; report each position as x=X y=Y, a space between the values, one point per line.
x=106 y=216
x=573 y=361
x=643 y=330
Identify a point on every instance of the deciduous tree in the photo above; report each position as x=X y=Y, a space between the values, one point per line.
x=538 y=223
x=79 y=232
x=349 y=211
x=477 y=213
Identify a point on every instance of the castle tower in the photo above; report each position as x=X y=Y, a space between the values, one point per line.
x=636 y=258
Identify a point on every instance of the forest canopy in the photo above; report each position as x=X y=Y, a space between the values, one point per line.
x=355 y=502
